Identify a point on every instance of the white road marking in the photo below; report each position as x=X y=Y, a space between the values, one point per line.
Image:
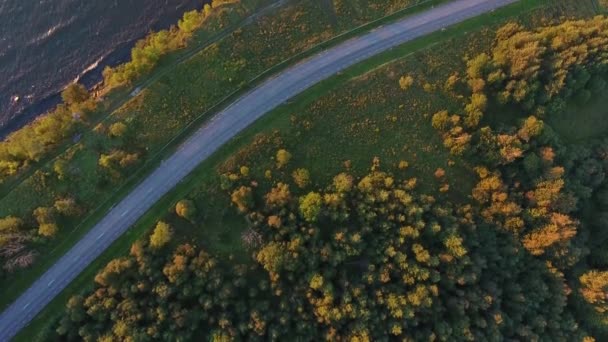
x=100 y=235
x=26 y=305
x=50 y=283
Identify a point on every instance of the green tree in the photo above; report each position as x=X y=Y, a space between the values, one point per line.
x=75 y=93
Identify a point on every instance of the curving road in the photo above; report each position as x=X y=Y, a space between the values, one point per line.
x=217 y=131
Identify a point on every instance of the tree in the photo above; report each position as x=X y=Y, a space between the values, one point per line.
x=532 y=164
x=310 y=206
x=242 y=198
x=118 y=129
x=559 y=230
x=531 y=127
x=10 y=224
x=301 y=177
x=278 y=196
x=186 y=209
x=441 y=120
x=48 y=230
x=343 y=182
x=75 y=93
x=405 y=82
x=283 y=158
x=475 y=109
x=66 y=207
x=44 y=215
x=594 y=288
x=61 y=168
x=117 y=159
x=161 y=236
x=272 y=257
x=191 y=21
x=451 y=82
x=477 y=66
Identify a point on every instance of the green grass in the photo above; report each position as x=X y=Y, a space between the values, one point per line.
x=582 y=122
x=218 y=228
x=159 y=115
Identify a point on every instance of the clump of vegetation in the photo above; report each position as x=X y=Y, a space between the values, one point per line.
x=147 y=52
x=186 y=209
x=32 y=142
x=531 y=184
x=371 y=259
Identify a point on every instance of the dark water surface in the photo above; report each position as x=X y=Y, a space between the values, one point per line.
x=46 y=44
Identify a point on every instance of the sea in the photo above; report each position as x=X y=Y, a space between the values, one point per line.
x=47 y=44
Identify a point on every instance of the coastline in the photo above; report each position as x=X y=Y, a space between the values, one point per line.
x=91 y=78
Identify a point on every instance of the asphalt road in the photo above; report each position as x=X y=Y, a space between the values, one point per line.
x=219 y=130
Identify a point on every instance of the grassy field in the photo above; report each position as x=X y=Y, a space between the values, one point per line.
x=164 y=113
x=579 y=123
x=355 y=116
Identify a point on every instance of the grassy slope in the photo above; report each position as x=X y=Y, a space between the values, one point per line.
x=161 y=114
x=365 y=106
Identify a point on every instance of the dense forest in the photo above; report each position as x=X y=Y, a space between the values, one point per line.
x=373 y=257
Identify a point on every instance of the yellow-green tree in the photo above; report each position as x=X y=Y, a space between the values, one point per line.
x=310 y=206
x=343 y=182
x=161 y=236
x=48 y=230
x=118 y=129
x=283 y=157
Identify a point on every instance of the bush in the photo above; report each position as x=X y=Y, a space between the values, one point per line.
x=301 y=177
x=283 y=158
x=161 y=236
x=48 y=230
x=185 y=209
x=75 y=93
x=118 y=129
